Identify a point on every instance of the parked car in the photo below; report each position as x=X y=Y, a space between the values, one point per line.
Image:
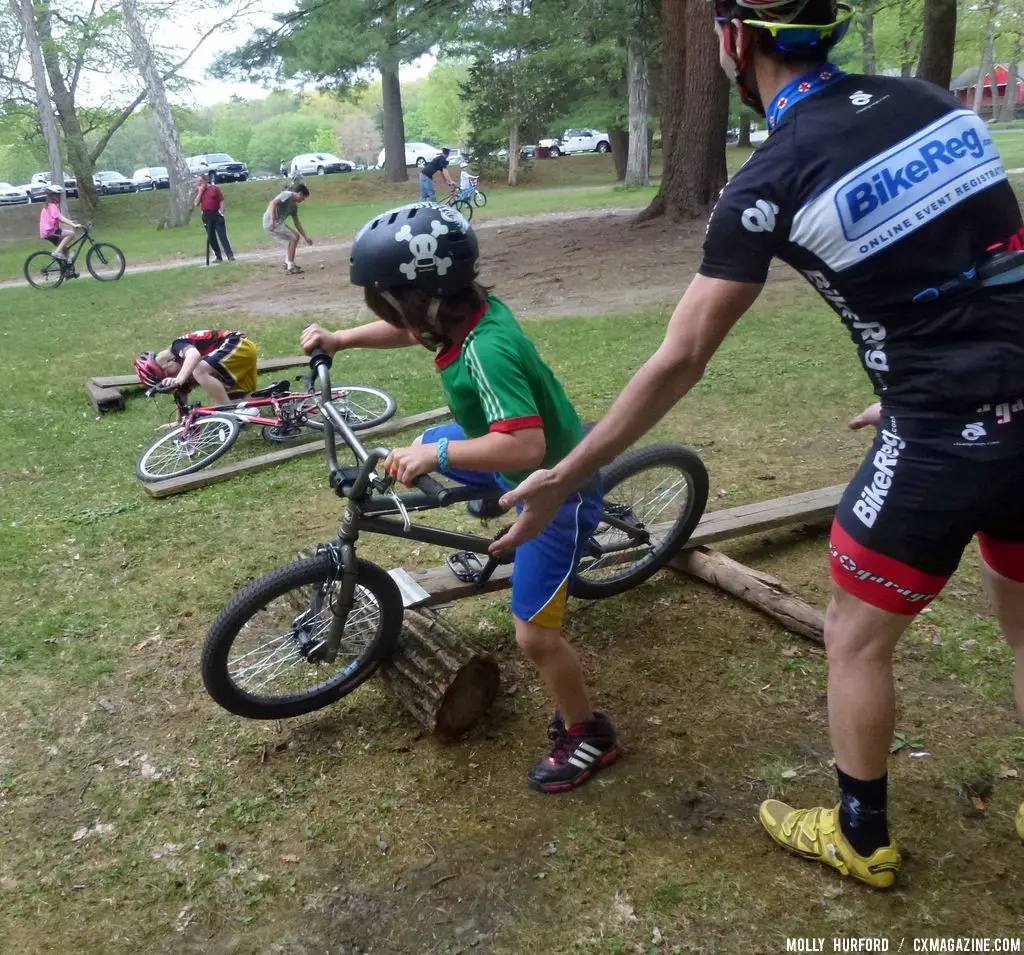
x=13 y=195
x=111 y=183
x=220 y=167
x=36 y=191
x=416 y=154
x=577 y=141
x=42 y=179
x=309 y=164
x=151 y=177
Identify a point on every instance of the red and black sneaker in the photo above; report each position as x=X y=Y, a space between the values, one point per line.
x=580 y=751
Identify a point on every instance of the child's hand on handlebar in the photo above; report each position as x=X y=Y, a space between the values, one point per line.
x=313 y=337
x=407 y=464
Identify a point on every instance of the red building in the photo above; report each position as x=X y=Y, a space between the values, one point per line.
x=964 y=86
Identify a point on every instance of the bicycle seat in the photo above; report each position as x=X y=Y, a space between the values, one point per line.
x=277 y=388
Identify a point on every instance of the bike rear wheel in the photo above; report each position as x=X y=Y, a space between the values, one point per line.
x=361 y=407
x=260 y=659
x=43 y=271
x=660 y=490
x=178 y=453
x=480 y=198
x=105 y=262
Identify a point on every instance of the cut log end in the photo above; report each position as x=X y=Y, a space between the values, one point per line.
x=445 y=683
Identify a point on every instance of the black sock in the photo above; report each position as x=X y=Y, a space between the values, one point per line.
x=863 y=813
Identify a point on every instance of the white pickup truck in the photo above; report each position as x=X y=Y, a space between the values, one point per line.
x=577 y=141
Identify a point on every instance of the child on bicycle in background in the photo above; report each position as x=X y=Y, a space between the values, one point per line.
x=50 y=221
x=215 y=359
x=467 y=183
x=418 y=266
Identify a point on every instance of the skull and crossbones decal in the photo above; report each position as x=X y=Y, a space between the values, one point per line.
x=424 y=251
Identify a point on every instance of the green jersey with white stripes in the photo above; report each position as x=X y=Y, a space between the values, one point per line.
x=495 y=381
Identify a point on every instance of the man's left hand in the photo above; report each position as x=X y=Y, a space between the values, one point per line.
x=172 y=383
x=407 y=464
x=542 y=494
x=309 y=241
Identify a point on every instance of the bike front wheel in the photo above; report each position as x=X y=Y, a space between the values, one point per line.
x=264 y=655
x=181 y=452
x=657 y=496
x=361 y=407
x=465 y=207
x=105 y=262
x=43 y=271
x=480 y=198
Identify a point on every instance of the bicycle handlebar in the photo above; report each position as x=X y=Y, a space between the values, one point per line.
x=320 y=366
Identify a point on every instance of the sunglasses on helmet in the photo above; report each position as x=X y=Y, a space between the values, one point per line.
x=797 y=37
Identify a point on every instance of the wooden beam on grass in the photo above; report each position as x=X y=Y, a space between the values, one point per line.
x=207 y=476
x=104 y=399
x=731 y=522
x=763 y=591
x=264 y=364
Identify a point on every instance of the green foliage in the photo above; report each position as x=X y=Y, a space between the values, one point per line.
x=286 y=136
x=193 y=144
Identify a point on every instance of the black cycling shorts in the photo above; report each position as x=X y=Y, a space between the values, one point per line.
x=926 y=487
x=55 y=237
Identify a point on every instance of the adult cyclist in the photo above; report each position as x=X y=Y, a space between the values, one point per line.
x=894 y=204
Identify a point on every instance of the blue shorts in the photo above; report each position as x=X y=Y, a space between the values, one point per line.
x=546 y=565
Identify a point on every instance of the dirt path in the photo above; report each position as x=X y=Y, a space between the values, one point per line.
x=325 y=252
x=543 y=266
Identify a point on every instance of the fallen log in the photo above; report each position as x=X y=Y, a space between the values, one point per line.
x=445 y=683
x=762 y=591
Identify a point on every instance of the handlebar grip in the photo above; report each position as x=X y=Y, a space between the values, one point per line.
x=318 y=357
x=433 y=489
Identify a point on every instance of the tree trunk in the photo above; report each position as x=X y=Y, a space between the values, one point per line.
x=513 y=152
x=697 y=109
x=744 y=129
x=619 y=140
x=906 y=26
x=987 y=68
x=866 y=25
x=74 y=140
x=179 y=210
x=673 y=92
x=638 y=160
x=394 y=125
x=23 y=11
x=443 y=682
x=1008 y=108
x=938 y=40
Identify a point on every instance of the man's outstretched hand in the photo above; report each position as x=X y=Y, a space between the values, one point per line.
x=542 y=495
x=870 y=416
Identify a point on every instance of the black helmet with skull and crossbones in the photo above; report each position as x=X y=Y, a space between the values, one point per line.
x=424 y=244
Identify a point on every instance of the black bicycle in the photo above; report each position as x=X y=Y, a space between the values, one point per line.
x=307 y=634
x=104 y=261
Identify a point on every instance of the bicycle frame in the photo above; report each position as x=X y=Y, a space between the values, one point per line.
x=365 y=512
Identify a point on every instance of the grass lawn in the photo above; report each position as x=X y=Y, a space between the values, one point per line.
x=136 y=816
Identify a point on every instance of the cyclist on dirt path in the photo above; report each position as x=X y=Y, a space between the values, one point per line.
x=893 y=202
x=50 y=221
x=439 y=164
x=218 y=360
x=283 y=205
x=418 y=266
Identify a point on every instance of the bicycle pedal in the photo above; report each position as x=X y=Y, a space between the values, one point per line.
x=465 y=565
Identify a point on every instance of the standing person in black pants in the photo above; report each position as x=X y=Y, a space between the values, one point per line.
x=210 y=200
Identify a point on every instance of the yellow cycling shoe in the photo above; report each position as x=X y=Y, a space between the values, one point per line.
x=815 y=834
x=1020 y=821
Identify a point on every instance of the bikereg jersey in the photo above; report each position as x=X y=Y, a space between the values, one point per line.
x=886 y=195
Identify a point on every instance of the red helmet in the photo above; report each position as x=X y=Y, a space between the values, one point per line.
x=149 y=370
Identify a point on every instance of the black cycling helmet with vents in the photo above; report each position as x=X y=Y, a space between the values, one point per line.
x=423 y=244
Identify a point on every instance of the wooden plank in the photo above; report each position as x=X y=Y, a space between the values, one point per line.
x=264 y=364
x=225 y=472
x=104 y=399
x=443 y=586
x=765 y=515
